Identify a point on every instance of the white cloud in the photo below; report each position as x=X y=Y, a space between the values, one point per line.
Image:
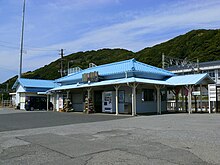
x=138 y=31
x=78 y=4
x=126 y=34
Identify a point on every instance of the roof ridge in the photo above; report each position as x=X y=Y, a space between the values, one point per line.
x=34 y=79
x=154 y=67
x=113 y=63
x=105 y=65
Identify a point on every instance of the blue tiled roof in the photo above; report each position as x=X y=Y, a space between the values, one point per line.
x=119 y=67
x=34 y=83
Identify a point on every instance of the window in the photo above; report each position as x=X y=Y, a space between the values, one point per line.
x=218 y=74
x=163 y=94
x=212 y=74
x=121 y=96
x=148 y=95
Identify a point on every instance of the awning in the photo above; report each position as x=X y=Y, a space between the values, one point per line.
x=192 y=79
x=111 y=82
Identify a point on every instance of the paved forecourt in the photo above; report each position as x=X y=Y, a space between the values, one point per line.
x=159 y=139
x=18 y=119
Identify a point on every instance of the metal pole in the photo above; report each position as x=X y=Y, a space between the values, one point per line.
x=22 y=41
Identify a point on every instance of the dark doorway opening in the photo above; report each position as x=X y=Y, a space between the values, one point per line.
x=217 y=98
x=98 y=101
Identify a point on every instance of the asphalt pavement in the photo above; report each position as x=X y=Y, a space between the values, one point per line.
x=168 y=139
x=18 y=119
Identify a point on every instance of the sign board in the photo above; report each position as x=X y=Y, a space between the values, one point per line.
x=196 y=93
x=212 y=92
x=92 y=77
x=60 y=102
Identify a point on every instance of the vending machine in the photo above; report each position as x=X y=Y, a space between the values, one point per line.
x=108 y=101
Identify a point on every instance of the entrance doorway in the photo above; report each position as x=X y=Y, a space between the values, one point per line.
x=98 y=101
x=217 y=98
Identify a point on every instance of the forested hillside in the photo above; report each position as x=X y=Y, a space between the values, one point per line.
x=197 y=44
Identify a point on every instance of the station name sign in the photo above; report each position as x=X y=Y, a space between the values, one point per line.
x=92 y=77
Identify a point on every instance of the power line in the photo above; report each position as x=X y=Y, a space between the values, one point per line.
x=29 y=48
x=8 y=46
x=7 y=42
x=40 y=49
x=2 y=67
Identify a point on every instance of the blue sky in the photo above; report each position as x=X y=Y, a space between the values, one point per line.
x=81 y=25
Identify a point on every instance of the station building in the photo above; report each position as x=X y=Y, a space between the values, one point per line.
x=30 y=88
x=129 y=87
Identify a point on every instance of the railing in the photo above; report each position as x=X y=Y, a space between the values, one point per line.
x=7 y=103
x=171 y=106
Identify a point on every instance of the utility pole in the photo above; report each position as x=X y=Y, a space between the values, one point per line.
x=7 y=87
x=197 y=62
x=22 y=40
x=163 y=61
x=61 y=67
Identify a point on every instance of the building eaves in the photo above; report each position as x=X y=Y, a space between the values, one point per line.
x=34 y=83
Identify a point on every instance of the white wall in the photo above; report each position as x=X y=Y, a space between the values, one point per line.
x=22 y=101
x=19 y=90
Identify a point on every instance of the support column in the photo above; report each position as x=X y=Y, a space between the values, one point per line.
x=56 y=108
x=158 y=100
x=67 y=93
x=182 y=94
x=47 y=102
x=116 y=99
x=190 y=99
x=209 y=86
x=177 y=90
x=89 y=94
x=134 y=100
x=200 y=103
